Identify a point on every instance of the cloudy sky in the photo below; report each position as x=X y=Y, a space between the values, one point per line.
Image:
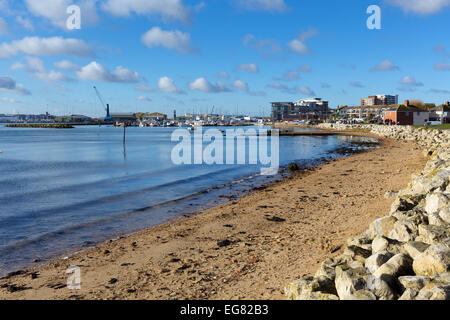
x=189 y=55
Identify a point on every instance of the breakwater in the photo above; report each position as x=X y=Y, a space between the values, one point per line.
x=404 y=255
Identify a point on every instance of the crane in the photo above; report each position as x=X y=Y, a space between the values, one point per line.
x=105 y=106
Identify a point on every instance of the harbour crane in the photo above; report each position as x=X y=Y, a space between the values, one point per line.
x=105 y=106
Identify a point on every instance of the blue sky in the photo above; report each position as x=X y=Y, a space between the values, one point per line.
x=161 y=55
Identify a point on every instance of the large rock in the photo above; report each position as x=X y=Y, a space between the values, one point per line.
x=398 y=265
x=414 y=248
x=435 y=219
x=436 y=201
x=377 y=260
x=415 y=283
x=409 y=294
x=381 y=244
x=404 y=231
x=433 y=234
x=358 y=253
x=444 y=214
x=434 y=291
x=382 y=226
x=320 y=288
x=381 y=288
x=351 y=284
x=360 y=241
x=435 y=259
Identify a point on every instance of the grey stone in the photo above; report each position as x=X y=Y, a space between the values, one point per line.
x=382 y=226
x=432 y=234
x=414 y=248
x=409 y=294
x=349 y=281
x=377 y=260
x=436 y=259
x=444 y=214
x=381 y=288
x=398 y=265
x=415 y=283
x=320 y=288
x=436 y=201
x=404 y=231
x=433 y=291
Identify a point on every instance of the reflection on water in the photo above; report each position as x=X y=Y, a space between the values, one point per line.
x=62 y=189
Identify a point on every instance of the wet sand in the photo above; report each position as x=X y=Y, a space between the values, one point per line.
x=245 y=249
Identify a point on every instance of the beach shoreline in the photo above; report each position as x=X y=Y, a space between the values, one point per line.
x=226 y=252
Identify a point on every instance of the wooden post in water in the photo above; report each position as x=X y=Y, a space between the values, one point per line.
x=124 y=132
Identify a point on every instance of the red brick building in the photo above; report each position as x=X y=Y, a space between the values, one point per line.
x=406 y=115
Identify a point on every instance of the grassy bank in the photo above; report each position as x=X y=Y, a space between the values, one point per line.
x=440 y=126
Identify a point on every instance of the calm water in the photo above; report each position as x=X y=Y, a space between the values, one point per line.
x=61 y=190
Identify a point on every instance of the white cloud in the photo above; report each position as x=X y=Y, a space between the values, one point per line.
x=299 y=45
x=144 y=88
x=442 y=50
x=8 y=84
x=17 y=66
x=35 y=64
x=422 y=7
x=45 y=47
x=55 y=11
x=264 y=5
x=167 y=9
x=292 y=75
x=66 y=65
x=306 y=91
x=250 y=67
x=166 y=84
x=289 y=76
x=356 y=84
x=3 y=26
x=25 y=23
x=144 y=98
x=442 y=66
x=292 y=90
x=177 y=40
x=8 y=100
x=224 y=75
x=440 y=91
x=411 y=81
x=241 y=85
x=96 y=72
x=266 y=47
x=201 y=84
x=36 y=68
x=385 y=65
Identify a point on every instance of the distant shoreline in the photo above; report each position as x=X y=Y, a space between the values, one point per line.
x=42 y=126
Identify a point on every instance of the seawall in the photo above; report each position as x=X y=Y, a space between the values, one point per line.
x=404 y=255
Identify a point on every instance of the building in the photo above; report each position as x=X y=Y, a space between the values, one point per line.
x=379 y=100
x=75 y=118
x=366 y=113
x=123 y=117
x=441 y=113
x=406 y=115
x=281 y=110
x=306 y=109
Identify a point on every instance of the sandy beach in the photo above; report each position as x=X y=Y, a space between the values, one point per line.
x=246 y=249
